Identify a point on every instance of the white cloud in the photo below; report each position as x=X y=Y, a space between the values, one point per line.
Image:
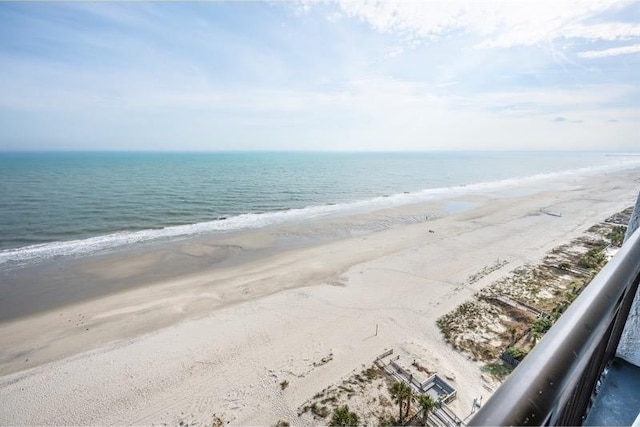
x=151 y=93
x=380 y=98
x=586 y=97
x=368 y=113
x=607 y=32
x=624 y=50
x=497 y=23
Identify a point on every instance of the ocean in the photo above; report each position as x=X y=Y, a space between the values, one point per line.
x=78 y=203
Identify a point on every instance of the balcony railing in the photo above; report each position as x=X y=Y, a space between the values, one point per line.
x=555 y=383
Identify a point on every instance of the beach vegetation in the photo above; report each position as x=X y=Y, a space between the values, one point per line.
x=564 y=266
x=387 y=421
x=282 y=423
x=342 y=416
x=370 y=373
x=616 y=235
x=324 y=360
x=487 y=270
x=559 y=309
x=401 y=394
x=284 y=384
x=516 y=353
x=594 y=258
x=500 y=314
x=319 y=410
x=367 y=387
x=535 y=337
x=330 y=399
x=541 y=325
x=512 y=333
x=620 y=217
x=427 y=404
x=384 y=402
x=498 y=370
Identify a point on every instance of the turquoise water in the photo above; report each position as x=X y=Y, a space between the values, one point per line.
x=75 y=203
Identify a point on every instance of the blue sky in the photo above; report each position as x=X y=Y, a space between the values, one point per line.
x=339 y=75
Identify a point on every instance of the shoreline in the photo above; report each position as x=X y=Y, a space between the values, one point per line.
x=220 y=340
x=121 y=241
x=72 y=279
x=75 y=280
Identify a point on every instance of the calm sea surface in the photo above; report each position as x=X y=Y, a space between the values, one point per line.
x=75 y=203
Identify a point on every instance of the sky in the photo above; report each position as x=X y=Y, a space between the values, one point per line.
x=312 y=75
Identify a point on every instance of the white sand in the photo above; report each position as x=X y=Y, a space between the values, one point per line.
x=218 y=343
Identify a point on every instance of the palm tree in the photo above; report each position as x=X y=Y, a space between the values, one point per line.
x=408 y=396
x=401 y=393
x=427 y=404
x=396 y=394
x=342 y=417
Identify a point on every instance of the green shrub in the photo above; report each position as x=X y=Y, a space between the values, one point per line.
x=594 y=258
x=616 y=236
x=498 y=370
x=541 y=325
x=516 y=353
x=564 y=266
x=343 y=417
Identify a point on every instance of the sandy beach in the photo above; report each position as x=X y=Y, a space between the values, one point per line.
x=200 y=330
